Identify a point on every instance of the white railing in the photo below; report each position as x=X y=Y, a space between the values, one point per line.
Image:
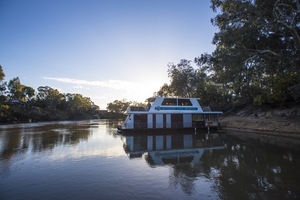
x=143 y=125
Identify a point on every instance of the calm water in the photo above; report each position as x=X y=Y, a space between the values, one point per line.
x=89 y=160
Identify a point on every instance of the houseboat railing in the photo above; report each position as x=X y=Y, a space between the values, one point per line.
x=195 y=124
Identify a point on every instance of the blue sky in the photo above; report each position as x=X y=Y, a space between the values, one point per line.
x=103 y=49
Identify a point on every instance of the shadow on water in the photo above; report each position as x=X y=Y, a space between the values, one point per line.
x=237 y=169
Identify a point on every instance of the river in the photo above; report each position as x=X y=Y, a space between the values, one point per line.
x=90 y=160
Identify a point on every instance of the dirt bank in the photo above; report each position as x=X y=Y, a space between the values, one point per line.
x=279 y=125
x=284 y=127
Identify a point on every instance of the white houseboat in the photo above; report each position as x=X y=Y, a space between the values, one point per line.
x=169 y=113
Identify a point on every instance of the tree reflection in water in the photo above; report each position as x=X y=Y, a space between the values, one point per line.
x=256 y=172
x=223 y=166
x=239 y=170
x=41 y=137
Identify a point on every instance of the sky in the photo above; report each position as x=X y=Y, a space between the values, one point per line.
x=103 y=49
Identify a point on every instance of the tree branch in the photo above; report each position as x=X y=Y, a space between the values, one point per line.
x=280 y=16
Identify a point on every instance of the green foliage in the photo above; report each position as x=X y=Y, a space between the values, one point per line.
x=18 y=91
x=295 y=91
x=183 y=78
x=256 y=60
x=2 y=75
x=257 y=50
x=187 y=81
x=118 y=106
x=21 y=104
x=138 y=104
x=48 y=97
x=77 y=105
x=165 y=90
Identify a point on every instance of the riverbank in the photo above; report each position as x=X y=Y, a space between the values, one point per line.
x=280 y=126
x=273 y=126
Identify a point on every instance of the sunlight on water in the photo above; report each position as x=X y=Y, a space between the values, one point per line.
x=89 y=160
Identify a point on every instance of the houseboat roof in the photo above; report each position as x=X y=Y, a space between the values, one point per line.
x=170 y=105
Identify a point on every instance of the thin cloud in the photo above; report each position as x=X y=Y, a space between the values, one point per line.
x=115 y=84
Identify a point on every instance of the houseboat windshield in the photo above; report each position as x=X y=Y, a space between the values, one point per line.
x=176 y=102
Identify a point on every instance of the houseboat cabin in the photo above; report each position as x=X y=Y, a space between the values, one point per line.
x=170 y=113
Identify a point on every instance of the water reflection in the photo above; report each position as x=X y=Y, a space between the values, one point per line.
x=182 y=152
x=235 y=169
x=41 y=137
x=36 y=157
x=258 y=172
x=172 y=148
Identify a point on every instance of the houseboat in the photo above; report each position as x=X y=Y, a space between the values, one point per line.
x=163 y=113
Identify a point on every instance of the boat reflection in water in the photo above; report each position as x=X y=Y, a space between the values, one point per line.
x=173 y=148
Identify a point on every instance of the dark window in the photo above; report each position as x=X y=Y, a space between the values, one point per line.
x=140 y=121
x=184 y=102
x=169 y=102
x=177 y=120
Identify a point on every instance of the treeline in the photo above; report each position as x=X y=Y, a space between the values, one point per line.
x=21 y=103
x=116 y=108
x=256 y=60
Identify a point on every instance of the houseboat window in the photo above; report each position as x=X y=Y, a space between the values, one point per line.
x=169 y=102
x=184 y=102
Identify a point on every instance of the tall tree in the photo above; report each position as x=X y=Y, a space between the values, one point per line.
x=118 y=106
x=28 y=92
x=2 y=75
x=184 y=78
x=257 y=52
x=3 y=84
x=78 y=103
x=48 y=97
x=212 y=92
x=18 y=91
x=15 y=89
x=165 y=90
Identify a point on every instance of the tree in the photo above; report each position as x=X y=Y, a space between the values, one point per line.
x=295 y=92
x=256 y=59
x=138 y=104
x=184 y=79
x=257 y=45
x=118 y=106
x=287 y=16
x=47 y=104
x=18 y=91
x=2 y=75
x=3 y=85
x=79 y=104
x=15 y=89
x=29 y=92
x=48 y=97
x=165 y=90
